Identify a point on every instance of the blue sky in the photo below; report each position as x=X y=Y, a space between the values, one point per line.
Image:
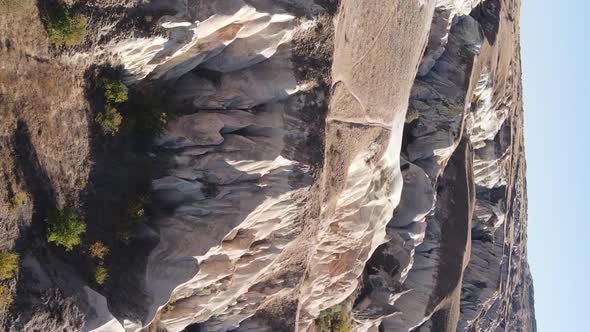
x=555 y=56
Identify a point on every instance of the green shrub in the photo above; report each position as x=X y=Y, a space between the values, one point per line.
x=334 y=319
x=110 y=120
x=100 y=274
x=115 y=92
x=16 y=201
x=6 y=298
x=64 y=228
x=98 y=250
x=65 y=27
x=8 y=264
x=136 y=210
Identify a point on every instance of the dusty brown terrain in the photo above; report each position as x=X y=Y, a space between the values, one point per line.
x=44 y=113
x=45 y=119
x=53 y=153
x=44 y=145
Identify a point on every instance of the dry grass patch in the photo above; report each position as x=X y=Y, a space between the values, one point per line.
x=8 y=264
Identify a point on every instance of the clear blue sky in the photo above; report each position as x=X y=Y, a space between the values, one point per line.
x=555 y=57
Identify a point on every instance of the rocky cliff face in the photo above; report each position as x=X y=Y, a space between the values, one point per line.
x=359 y=163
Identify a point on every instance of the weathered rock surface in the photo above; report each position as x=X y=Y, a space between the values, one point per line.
x=360 y=155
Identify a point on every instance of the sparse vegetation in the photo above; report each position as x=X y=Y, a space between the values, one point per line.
x=8 y=264
x=170 y=305
x=115 y=93
x=137 y=213
x=99 y=250
x=152 y=123
x=334 y=319
x=16 y=201
x=100 y=274
x=65 y=27
x=131 y=112
x=64 y=228
x=148 y=121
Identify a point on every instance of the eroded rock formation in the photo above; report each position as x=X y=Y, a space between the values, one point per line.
x=360 y=155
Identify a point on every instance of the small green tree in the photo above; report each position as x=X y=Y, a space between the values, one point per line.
x=8 y=264
x=64 y=228
x=115 y=92
x=110 y=120
x=65 y=27
x=100 y=274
